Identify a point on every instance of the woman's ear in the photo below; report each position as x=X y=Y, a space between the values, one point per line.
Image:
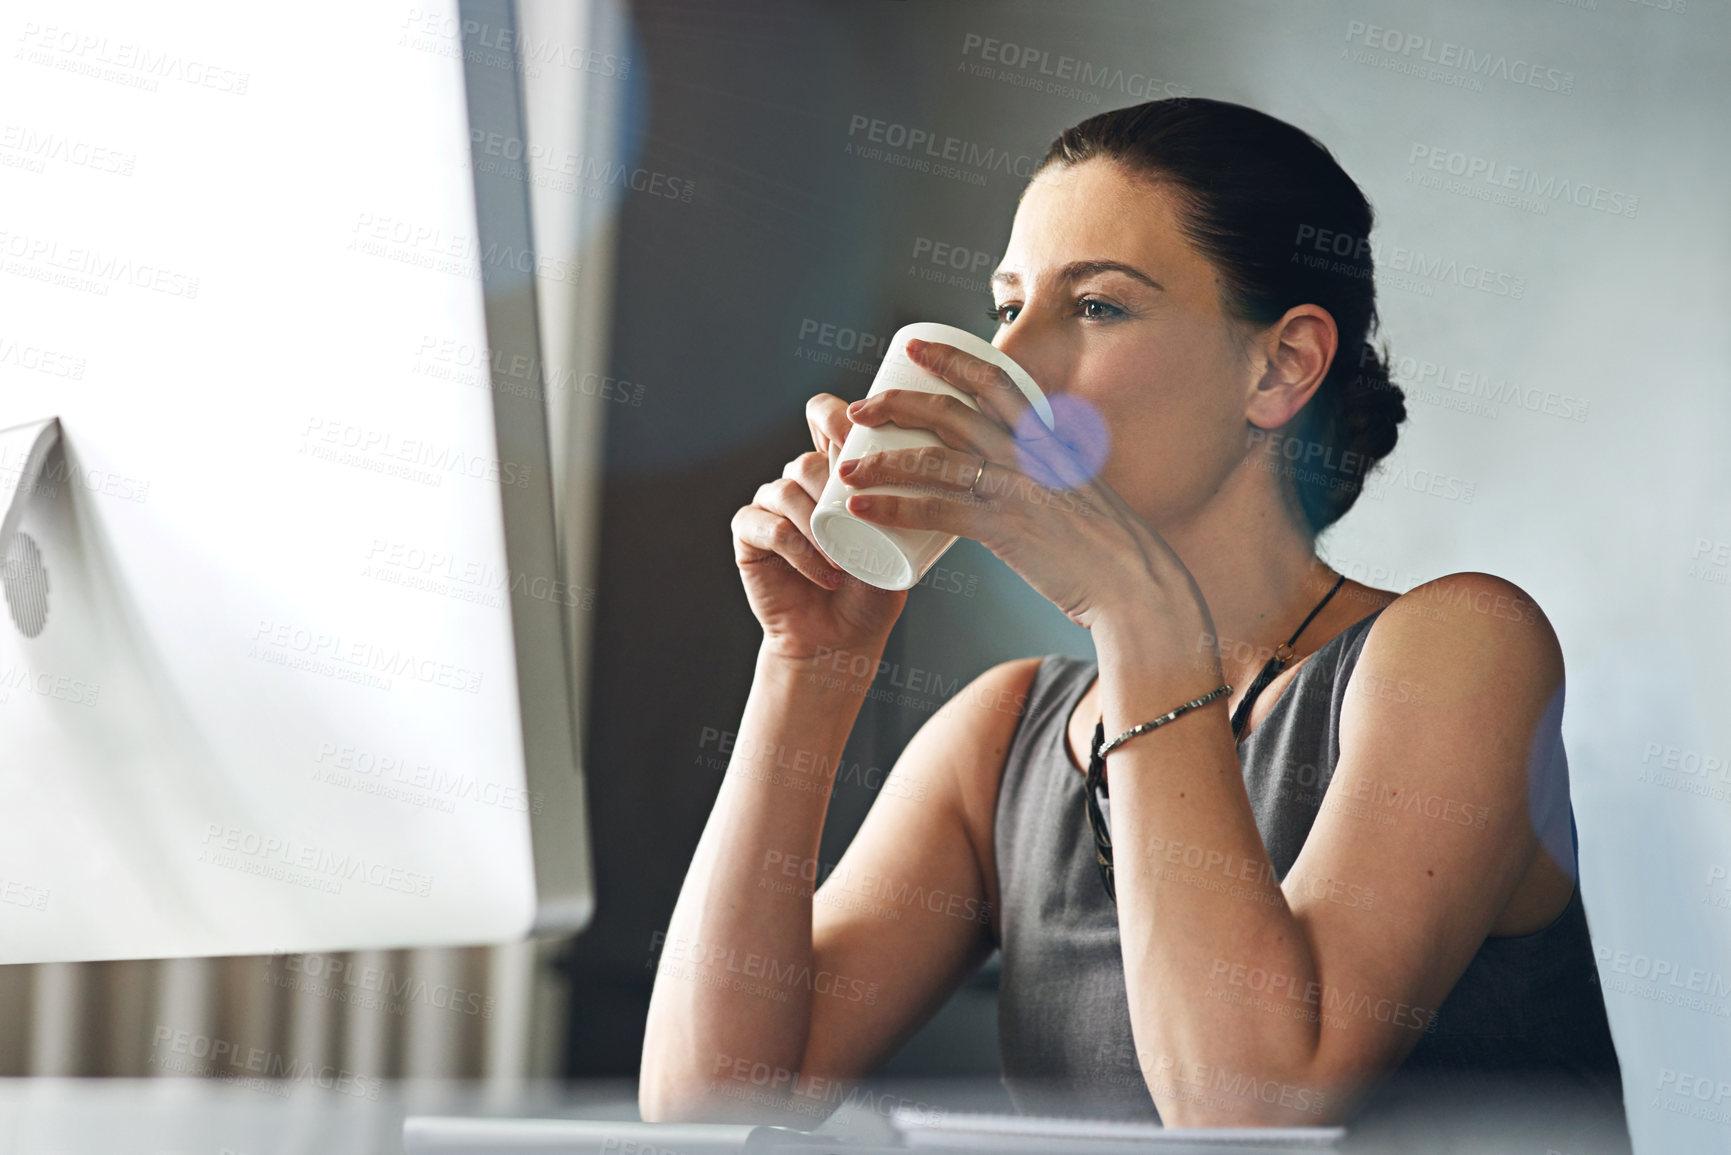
x=1295 y=353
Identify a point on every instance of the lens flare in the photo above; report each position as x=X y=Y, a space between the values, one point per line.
x=1070 y=454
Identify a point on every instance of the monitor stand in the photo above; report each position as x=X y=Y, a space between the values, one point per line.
x=24 y=448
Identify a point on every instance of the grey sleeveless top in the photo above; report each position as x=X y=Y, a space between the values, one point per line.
x=1528 y=1003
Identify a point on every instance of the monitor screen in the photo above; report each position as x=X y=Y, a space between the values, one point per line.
x=283 y=665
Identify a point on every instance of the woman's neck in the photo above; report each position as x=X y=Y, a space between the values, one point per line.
x=1260 y=577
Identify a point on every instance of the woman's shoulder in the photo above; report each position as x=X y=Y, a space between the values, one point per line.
x=1470 y=591
x=984 y=715
x=1470 y=616
x=1475 y=648
x=1019 y=684
x=1004 y=705
x=1481 y=674
x=978 y=725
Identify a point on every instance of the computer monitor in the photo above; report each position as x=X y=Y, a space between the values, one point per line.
x=283 y=665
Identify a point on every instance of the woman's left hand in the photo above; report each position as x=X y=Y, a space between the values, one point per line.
x=1074 y=540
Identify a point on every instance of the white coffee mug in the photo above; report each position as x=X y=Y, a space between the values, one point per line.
x=890 y=557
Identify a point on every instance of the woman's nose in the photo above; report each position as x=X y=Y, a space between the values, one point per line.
x=1034 y=351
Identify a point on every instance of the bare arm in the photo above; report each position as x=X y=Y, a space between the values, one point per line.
x=770 y=998
x=1299 y=996
x=764 y=999
x=915 y=896
x=737 y=973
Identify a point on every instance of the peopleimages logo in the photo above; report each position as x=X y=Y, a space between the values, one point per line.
x=345 y=442
x=125 y=62
x=1417 y=375
x=352 y=656
x=925 y=147
x=38 y=359
x=1487 y=178
x=444 y=29
x=89 y=269
x=690 y=959
x=191 y=1053
x=374 y=987
x=1663 y=980
x=225 y=845
x=29 y=149
x=459 y=254
x=1414 y=51
x=578 y=167
x=1041 y=62
x=1405 y=267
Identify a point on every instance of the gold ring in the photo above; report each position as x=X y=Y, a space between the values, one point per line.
x=981 y=473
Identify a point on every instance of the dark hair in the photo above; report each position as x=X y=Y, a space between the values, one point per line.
x=1284 y=225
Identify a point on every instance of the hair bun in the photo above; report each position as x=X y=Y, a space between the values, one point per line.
x=1371 y=406
x=1355 y=415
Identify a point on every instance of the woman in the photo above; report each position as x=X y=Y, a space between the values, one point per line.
x=1331 y=835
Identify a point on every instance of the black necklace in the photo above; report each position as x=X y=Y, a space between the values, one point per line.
x=1095 y=788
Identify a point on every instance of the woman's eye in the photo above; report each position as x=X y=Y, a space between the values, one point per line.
x=1093 y=310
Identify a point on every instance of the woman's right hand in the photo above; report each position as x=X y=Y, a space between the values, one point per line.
x=807 y=606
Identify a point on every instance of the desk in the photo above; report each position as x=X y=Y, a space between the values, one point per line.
x=175 y=1116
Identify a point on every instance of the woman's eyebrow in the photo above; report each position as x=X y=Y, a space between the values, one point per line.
x=1076 y=270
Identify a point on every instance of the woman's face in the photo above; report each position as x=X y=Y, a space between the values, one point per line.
x=1160 y=363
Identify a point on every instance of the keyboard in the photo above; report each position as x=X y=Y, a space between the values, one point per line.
x=950 y=1131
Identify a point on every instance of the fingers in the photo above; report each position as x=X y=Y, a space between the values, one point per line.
x=938 y=467
x=826 y=416
x=1029 y=444
x=811 y=471
x=956 y=423
x=998 y=394
x=944 y=512
x=985 y=382
x=950 y=490
x=778 y=522
x=788 y=498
